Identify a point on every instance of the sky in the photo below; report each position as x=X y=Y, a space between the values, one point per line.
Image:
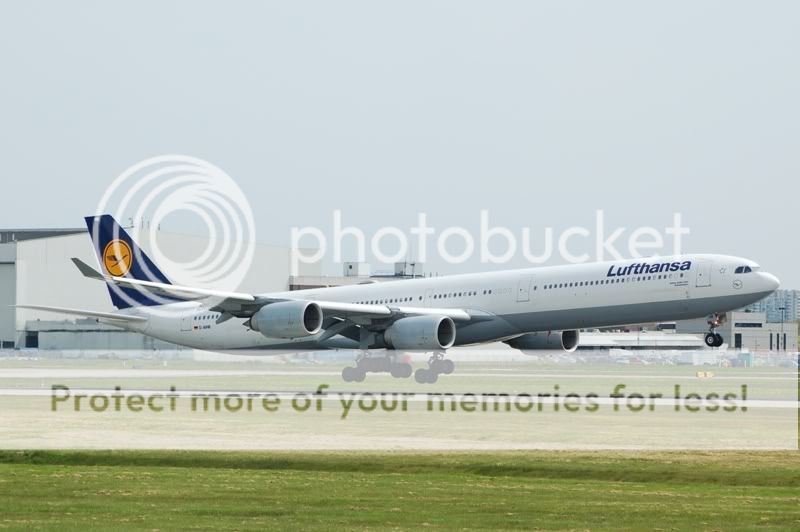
x=540 y=113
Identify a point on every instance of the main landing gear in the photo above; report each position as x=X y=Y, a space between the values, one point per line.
x=437 y=365
x=378 y=364
x=713 y=338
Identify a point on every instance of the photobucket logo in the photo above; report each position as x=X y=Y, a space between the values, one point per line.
x=168 y=184
x=640 y=242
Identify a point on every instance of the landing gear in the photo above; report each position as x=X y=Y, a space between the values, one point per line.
x=401 y=370
x=353 y=374
x=437 y=365
x=425 y=376
x=712 y=338
x=378 y=364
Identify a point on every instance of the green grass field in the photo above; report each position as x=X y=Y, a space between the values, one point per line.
x=536 y=490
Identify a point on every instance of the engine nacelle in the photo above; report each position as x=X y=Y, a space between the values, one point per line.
x=288 y=319
x=421 y=332
x=566 y=341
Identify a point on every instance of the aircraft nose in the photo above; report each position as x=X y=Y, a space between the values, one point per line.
x=771 y=281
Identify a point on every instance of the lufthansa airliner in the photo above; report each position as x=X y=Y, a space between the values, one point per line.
x=528 y=309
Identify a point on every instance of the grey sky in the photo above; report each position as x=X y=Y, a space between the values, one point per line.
x=539 y=112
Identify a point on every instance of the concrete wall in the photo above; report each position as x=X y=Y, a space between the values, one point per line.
x=8 y=291
x=46 y=276
x=758 y=335
x=7 y=298
x=88 y=334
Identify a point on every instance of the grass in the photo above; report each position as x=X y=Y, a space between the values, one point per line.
x=534 y=490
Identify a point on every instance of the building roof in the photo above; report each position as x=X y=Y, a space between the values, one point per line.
x=18 y=235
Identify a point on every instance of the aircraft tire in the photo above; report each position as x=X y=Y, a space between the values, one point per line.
x=401 y=371
x=447 y=366
x=347 y=374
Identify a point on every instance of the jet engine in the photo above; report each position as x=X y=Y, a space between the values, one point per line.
x=566 y=341
x=421 y=332
x=288 y=319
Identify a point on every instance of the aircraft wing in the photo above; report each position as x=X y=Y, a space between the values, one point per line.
x=243 y=305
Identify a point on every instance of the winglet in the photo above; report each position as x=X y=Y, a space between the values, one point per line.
x=87 y=270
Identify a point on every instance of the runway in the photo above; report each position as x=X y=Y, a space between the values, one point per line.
x=65 y=373
x=326 y=394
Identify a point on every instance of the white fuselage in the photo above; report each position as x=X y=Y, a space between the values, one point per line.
x=509 y=303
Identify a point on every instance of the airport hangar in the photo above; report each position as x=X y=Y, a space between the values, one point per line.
x=35 y=269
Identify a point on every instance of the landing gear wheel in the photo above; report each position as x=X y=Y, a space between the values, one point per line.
x=710 y=339
x=350 y=374
x=347 y=374
x=438 y=364
x=713 y=339
x=447 y=367
x=374 y=364
x=426 y=376
x=401 y=370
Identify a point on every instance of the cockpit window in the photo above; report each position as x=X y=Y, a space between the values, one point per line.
x=743 y=269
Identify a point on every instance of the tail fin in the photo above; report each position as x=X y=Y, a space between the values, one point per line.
x=119 y=256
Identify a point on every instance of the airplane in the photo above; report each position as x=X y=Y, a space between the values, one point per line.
x=528 y=309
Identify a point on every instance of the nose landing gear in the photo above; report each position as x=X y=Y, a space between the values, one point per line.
x=713 y=338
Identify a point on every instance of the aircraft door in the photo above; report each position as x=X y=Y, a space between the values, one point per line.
x=524 y=288
x=186 y=322
x=428 y=298
x=703 y=274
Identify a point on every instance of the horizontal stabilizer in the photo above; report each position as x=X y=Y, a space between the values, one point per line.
x=164 y=289
x=87 y=270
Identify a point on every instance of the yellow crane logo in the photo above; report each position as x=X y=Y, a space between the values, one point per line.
x=117 y=258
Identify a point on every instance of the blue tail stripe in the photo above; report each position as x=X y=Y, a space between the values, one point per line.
x=103 y=230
